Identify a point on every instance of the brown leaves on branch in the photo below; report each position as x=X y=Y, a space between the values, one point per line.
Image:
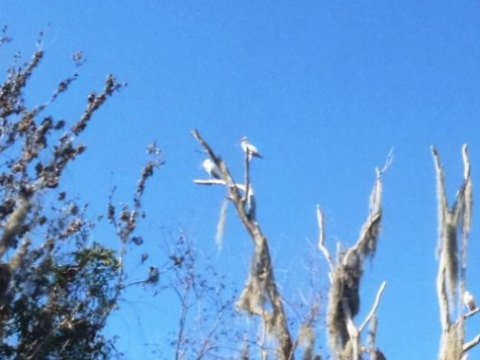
x=57 y=286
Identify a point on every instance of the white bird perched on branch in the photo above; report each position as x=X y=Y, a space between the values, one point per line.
x=249 y=148
x=211 y=169
x=469 y=301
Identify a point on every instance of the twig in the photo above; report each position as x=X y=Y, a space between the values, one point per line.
x=466 y=162
x=207 y=147
x=388 y=162
x=321 y=241
x=209 y=182
x=471 y=344
x=247 y=177
x=374 y=307
x=441 y=191
x=471 y=313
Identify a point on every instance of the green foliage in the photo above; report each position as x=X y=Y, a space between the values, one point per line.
x=56 y=310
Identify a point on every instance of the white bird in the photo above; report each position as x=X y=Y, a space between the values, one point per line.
x=249 y=148
x=211 y=169
x=469 y=301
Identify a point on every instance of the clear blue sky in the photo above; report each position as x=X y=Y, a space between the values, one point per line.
x=323 y=88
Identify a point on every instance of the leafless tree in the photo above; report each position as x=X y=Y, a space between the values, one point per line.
x=345 y=275
x=261 y=291
x=453 y=236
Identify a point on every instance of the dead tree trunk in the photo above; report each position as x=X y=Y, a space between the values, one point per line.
x=261 y=292
x=345 y=275
x=454 y=227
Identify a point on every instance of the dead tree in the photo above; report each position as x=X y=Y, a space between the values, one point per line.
x=260 y=296
x=346 y=272
x=453 y=236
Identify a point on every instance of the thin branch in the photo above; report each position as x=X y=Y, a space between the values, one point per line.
x=207 y=147
x=388 y=162
x=466 y=162
x=471 y=313
x=181 y=326
x=441 y=191
x=247 y=180
x=471 y=344
x=321 y=241
x=209 y=182
x=374 y=307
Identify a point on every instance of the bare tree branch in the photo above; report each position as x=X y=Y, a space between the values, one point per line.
x=209 y=182
x=217 y=182
x=321 y=242
x=261 y=285
x=447 y=274
x=471 y=344
x=373 y=311
x=344 y=304
x=248 y=158
x=344 y=296
x=451 y=279
x=471 y=313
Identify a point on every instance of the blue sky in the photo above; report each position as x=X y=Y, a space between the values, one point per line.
x=323 y=88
